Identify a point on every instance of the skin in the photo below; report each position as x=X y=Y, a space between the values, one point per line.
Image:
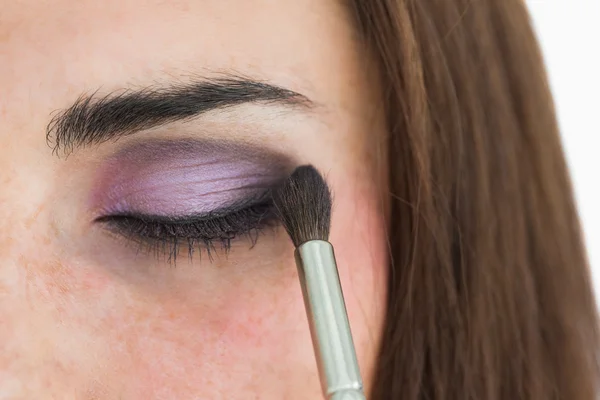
x=86 y=316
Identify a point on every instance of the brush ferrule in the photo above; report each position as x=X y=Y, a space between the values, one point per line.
x=330 y=330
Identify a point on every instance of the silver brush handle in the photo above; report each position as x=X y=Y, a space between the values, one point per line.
x=348 y=395
x=329 y=327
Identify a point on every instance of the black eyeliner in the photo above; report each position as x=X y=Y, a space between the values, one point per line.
x=166 y=234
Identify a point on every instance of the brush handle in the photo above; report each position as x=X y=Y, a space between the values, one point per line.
x=348 y=395
x=328 y=319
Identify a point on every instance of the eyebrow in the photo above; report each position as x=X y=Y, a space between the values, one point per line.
x=93 y=120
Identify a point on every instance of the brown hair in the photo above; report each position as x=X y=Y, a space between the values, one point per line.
x=489 y=291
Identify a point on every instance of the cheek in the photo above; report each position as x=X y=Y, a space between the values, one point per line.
x=207 y=345
x=359 y=236
x=98 y=336
x=251 y=335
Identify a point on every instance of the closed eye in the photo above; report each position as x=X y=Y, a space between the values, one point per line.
x=164 y=235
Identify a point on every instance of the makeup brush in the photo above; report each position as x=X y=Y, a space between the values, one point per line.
x=304 y=205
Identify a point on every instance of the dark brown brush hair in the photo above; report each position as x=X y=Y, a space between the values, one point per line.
x=489 y=290
x=303 y=203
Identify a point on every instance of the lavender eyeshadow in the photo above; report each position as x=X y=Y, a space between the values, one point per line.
x=185 y=177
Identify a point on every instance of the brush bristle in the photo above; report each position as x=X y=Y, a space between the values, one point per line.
x=303 y=202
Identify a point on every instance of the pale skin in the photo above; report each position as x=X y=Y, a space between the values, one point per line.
x=86 y=316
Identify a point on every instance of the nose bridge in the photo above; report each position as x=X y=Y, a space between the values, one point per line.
x=25 y=187
x=25 y=233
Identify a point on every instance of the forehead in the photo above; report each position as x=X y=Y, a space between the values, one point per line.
x=52 y=51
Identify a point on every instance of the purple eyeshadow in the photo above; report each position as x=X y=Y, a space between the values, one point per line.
x=186 y=177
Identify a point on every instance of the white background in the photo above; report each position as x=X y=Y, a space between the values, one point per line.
x=569 y=33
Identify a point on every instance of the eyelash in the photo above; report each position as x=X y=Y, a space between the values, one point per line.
x=165 y=235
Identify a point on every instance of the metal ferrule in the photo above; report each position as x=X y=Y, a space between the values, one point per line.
x=330 y=330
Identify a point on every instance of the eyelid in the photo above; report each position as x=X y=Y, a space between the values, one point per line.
x=184 y=176
x=163 y=235
x=261 y=198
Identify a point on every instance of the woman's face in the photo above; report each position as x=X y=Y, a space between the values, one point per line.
x=159 y=112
